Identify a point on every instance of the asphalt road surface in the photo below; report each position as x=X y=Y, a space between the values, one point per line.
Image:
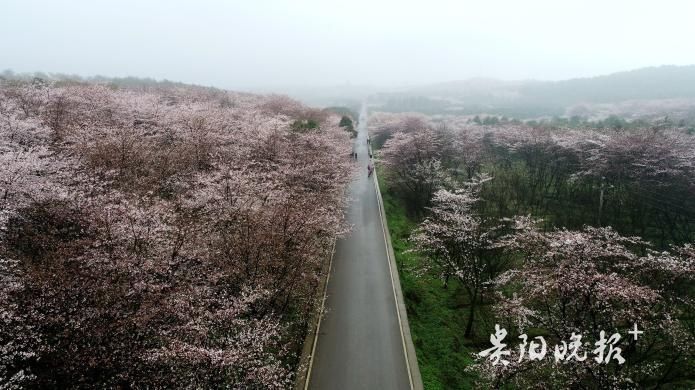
x=359 y=345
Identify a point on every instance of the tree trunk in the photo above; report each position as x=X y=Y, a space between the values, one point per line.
x=471 y=316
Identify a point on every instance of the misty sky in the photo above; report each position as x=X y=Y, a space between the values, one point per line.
x=262 y=43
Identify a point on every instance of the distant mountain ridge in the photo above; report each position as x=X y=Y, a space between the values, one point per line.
x=531 y=97
x=663 y=82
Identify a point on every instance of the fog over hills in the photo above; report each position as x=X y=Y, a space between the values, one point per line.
x=665 y=86
x=645 y=93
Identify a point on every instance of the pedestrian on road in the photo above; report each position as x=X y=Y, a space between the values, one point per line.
x=370 y=169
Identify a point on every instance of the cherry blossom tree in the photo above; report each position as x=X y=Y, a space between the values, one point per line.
x=587 y=281
x=163 y=236
x=413 y=166
x=383 y=125
x=457 y=241
x=634 y=266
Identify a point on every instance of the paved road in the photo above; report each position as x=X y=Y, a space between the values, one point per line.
x=359 y=344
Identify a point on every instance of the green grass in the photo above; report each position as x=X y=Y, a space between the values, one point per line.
x=436 y=315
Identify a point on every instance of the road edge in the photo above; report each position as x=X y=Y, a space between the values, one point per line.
x=410 y=355
x=306 y=361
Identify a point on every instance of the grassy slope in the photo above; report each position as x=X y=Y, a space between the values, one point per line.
x=437 y=321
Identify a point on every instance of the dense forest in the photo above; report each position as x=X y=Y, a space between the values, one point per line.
x=549 y=232
x=360 y=195
x=156 y=235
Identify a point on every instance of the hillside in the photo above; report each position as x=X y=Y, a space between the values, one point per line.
x=524 y=99
x=161 y=235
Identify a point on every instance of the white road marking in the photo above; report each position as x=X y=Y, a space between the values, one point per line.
x=382 y=213
x=318 y=327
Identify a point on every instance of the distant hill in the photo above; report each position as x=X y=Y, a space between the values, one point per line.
x=664 y=82
x=545 y=98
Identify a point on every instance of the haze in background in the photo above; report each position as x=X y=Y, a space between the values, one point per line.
x=265 y=44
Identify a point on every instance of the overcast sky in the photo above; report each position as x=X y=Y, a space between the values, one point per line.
x=262 y=43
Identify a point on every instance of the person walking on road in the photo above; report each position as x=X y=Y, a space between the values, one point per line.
x=370 y=169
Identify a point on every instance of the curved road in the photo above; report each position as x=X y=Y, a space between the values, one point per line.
x=360 y=345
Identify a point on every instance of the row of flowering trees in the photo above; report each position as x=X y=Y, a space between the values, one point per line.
x=161 y=236
x=567 y=272
x=640 y=181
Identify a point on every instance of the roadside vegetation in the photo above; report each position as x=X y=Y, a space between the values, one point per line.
x=160 y=235
x=545 y=231
x=434 y=312
x=348 y=119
